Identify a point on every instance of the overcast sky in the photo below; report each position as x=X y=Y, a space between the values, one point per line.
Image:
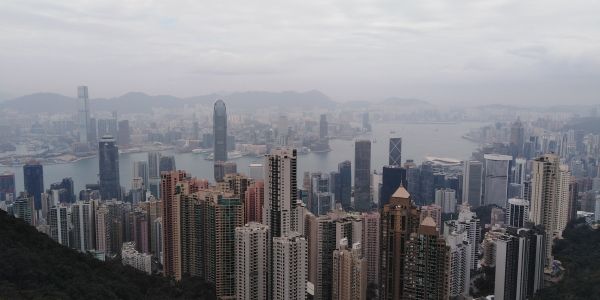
x=451 y=51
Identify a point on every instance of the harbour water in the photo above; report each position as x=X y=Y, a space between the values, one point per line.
x=418 y=141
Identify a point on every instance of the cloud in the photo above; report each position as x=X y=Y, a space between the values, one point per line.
x=349 y=49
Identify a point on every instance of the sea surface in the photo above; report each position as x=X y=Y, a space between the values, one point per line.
x=418 y=141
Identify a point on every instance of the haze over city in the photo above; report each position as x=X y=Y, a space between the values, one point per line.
x=444 y=52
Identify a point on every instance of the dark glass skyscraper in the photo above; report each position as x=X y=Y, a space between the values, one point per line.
x=362 y=175
x=395 y=152
x=220 y=131
x=345 y=183
x=167 y=164
x=108 y=160
x=7 y=185
x=323 y=127
x=393 y=177
x=33 y=180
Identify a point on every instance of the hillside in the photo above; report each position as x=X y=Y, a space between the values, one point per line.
x=579 y=253
x=33 y=266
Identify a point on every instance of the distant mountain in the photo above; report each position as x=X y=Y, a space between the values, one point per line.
x=140 y=102
x=33 y=266
x=403 y=101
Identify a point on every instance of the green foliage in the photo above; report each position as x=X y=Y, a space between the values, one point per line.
x=33 y=266
x=579 y=253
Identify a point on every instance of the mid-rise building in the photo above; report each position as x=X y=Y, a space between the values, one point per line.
x=131 y=257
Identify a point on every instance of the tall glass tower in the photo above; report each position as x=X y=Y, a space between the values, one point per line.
x=362 y=175
x=33 y=179
x=84 y=114
x=220 y=131
x=108 y=160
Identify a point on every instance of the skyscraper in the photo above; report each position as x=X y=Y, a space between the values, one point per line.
x=517 y=212
x=399 y=219
x=84 y=114
x=108 y=160
x=370 y=245
x=251 y=262
x=496 y=179
x=59 y=224
x=220 y=131
x=7 y=186
x=124 y=134
x=472 y=183
x=140 y=169
x=171 y=223
x=83 y=218
x=290 y=267
x=280 y=191
x=393 y=177
x=362 y=175
x=33 y=180
x=349 y=272
x=153 y=164
x=395 y=152
x=549 y=192
x=446 y=199
x=345 y=183
x=426 y=264
x=323 y=127
x=460 y=264
x=517 y=138
x=253 y=202
x=167 y=164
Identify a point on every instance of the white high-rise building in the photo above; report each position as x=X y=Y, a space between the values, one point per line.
x=519 y=170
x=59 y=224
x=84 y=114
x=446 y=199
x=460 y=263
x=549 y=197
x=251 y=261
x=469 y=224
x=83 y=219
x=290 y=267
x=496 y=179
x=280 y=192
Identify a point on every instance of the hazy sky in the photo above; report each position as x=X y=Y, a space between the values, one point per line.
x=442 y=51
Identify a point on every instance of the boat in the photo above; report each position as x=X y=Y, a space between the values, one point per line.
x=200 y=151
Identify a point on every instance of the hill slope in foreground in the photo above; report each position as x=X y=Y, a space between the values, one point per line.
x=33 y=266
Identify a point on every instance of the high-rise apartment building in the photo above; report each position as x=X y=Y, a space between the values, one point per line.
x=426 y=264
x=395 y=152
x=171 y=223
x=58 y=219
x=108 y=161
x=24 y=208
x=253 y=202
x=496 y=179
x=399 y=219
x=280 y=191
x=460 y=264
x=469 y=223
x=349 y=272
x=289 y=267
x=83 y=219
x=370 y=244
x=251 y=262
x=446 y=199
x=362 y=175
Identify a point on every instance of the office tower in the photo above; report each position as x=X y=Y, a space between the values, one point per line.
x=413 y=176
x=345 y=183
x=256 y=171
x=33 y=181
x=323 y=127
x=63 y=191
x=519 y=171
x=349 y=272
x=434 y=211
x=426 y=184
x=517 y=212
x=366 y=124
x=517 y=138
x=472 y=183
x=153 y=164
x=166 y=164
x=446 y=199
x=140 y=169
x=92 y=131
x=426 y=264
x=220 y=131
x=362 y=175
x=83 y=219
x=370 y=245
x=290 y=267
x=7 y=186
x=223 y=168
x=107 y=127
x=84 y=114
x=251 y=262
x=124 y=133
x=171 y=223
x=132 y=257
x=395 y=152
x=393 y=237
x=519 y=264
x=549 y=192
x=59 y=224
x=24 y=208
x=323 y=234
x=253 y=202
x=460 y=263
x=393 y=177
x=496 y=179
x=321 y=199
x=108 y=160
x=280 y=191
